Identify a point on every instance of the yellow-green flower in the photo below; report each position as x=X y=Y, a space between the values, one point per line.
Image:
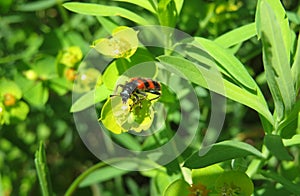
x=122 y=44
x=71 y=56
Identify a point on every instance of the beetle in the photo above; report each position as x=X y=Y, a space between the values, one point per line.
x=139 y=86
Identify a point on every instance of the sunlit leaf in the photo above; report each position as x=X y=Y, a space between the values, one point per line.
x=238 y=35
x=228 y=63
x=295 y=140
x=296 y=67
x=107 y=24
x=211 y=79
x=179 y=4
x=104 y=10
x=109 y=120
x=279 y=16
x=90 y=98
x=177 y=188
x=276 y=59
x=207 y=175
x=167 y=14
x=147 y=4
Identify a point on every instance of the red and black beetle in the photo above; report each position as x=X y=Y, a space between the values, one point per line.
x=139 y=86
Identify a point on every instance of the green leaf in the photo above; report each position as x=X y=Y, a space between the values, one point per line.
x=291 y=117
x=19 y=110
x=128 y=141
x=109 y=120
x=236 y=36
x=101 y=175
x=60 y=85
x=129 y=163
x=134 y=187
x=137 y=65
x=275 y=145
x=1 y=186
x=42 y=171
x=228 y=64
x=295 y=140
x=104 y=10
x=37 y=5
x=107 y=24
x=276 y=60
x=280 y=17
x=146 y=4
x=162 y=181
x=9 y=87
x=179 y=4
x=38 y=95
x=167 y=13
x=287 y=184
x=293 y=17
x=296 y=67
x=207 y=175
x=220 y=152
x=90 y=98
x=212 y=80
x=177 y=188
x=45 y=68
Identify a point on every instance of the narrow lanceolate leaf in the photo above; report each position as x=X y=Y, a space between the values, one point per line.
x=166 y=12
x=241 y=86
x=295 y=140
x=107 y=24
x=275 y=145
x=281 y=18
x=90 y=98
x=276 y=61
x=42 y=171
x=237 y=35
x=102 y=174
x=212 y=80
x=146 y=4
x=179 y=4
x=105 y=10
x=228 y=64
x=220 y=152
x=290 y=118
x=36 y=6
x=296 y=67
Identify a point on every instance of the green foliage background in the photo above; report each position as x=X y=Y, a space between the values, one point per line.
x=36 y=87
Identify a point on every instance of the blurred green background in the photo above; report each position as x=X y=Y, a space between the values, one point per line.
x=36 y=84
